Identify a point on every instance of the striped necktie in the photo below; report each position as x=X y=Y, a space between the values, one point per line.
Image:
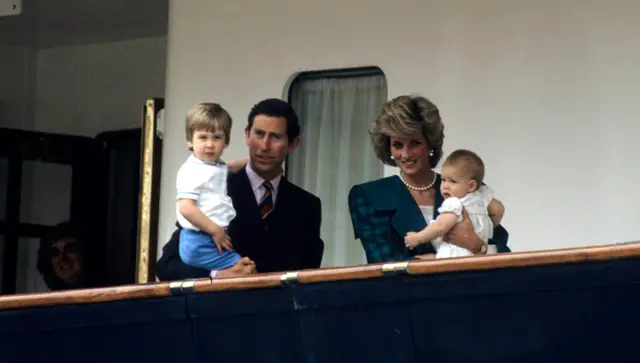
x=266 y=205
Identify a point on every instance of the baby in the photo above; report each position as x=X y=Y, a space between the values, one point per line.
x=462 y=187
x=204 y=210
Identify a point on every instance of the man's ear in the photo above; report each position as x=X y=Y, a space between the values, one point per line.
x=293 y=144
x=246 y=135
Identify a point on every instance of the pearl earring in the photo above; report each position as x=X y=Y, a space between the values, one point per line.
x=431 y=153
x=392 y=158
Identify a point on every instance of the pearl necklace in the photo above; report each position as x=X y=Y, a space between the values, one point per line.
x=420 y=189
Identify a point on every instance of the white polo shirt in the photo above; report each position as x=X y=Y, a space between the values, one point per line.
x=206 y=183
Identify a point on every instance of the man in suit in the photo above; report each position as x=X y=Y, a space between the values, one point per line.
x=277 y=224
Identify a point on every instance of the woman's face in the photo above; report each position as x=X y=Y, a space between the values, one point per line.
x=411 y=153
x=66 y=259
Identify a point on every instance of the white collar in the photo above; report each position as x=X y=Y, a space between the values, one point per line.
x=193 y=158
x=257 y=181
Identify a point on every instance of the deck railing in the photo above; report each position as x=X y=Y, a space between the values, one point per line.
x=324 y=275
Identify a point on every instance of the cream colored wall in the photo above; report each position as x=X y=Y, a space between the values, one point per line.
x=544 y=90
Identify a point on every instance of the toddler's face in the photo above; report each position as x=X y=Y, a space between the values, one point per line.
x=208 y=146
x=455 y=182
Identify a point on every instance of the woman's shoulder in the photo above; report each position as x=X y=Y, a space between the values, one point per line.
x=375 y=185
x=382 y=194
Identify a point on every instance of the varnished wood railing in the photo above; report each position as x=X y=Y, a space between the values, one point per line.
x=274 y=280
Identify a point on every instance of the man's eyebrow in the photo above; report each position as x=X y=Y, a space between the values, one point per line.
x=277 y=134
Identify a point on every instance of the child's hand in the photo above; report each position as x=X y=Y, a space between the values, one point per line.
x=412 y=240
x=222 y=240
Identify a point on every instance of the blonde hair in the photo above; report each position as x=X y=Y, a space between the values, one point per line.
x=404 y=116
x=210 y=117
x=470 y=162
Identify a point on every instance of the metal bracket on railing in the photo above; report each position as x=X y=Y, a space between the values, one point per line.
x=289 y=278
x=395 y=268
x=182 y=287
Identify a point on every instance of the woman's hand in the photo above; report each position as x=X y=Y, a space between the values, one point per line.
x=464 y=236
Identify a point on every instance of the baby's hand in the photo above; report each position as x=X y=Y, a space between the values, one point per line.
x=412 y=240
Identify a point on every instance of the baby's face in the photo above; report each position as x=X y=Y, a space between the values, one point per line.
x=455 y=182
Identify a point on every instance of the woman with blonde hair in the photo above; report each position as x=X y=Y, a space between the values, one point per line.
x=408 y=133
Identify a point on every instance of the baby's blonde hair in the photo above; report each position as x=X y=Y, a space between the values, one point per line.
x=470 y=162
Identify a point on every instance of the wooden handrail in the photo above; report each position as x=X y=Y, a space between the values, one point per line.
x=274 y=280
x=85 y=296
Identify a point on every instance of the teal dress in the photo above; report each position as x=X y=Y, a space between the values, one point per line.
x=383 y=211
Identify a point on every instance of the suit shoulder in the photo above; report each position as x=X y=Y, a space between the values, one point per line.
x=375 y=186
x=382 y=194
x=234 y=176
x=303 y=195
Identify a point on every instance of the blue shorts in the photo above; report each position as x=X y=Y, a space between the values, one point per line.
x=198 y=249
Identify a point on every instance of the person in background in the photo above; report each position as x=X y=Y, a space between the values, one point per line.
x=277 y=223
x=62 y=259
x=408 y=133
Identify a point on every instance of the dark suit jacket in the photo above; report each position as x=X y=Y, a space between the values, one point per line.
x=383 y=211
x=292 y=241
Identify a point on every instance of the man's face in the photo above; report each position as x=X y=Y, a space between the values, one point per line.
x=269 y=145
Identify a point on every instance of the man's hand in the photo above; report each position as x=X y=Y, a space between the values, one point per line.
x=243 y=267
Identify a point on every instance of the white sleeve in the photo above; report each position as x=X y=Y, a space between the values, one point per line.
x=451 y=205
x=486 y=194
x=190 y=181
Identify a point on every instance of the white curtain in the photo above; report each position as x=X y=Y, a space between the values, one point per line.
x=335 y=152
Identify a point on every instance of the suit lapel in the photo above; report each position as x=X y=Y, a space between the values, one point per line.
x=244 y=199
x=392 y=195
x=282 y=205
x=408 y=216
x=437 y=202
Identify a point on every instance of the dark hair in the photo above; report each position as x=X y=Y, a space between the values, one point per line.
x=275 y=107
x=44 y=265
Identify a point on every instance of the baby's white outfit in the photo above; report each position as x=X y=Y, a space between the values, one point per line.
x=476 y=204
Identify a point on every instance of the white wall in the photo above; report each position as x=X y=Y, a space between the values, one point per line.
x=544 y=90
x=84 y=90
x=17 y=86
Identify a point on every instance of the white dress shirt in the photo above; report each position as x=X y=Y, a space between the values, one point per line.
x=257 y=184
